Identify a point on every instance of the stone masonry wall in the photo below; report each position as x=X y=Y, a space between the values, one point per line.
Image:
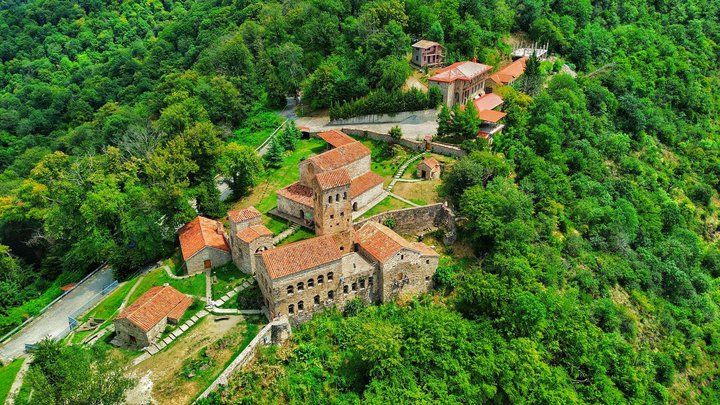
x=418 y=220
x=367 y=197
x=418 y=146
x=386 y=118
x=196 y=264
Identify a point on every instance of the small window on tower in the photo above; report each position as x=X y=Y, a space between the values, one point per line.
x=332 y=216
x=345 y=195
x=337 y=197
x=329 y=199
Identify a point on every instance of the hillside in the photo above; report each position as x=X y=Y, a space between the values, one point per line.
x=592 y=220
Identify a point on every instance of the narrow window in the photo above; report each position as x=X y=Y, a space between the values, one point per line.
x=320 y=279
x=370 y=281
x=311 y=283
x=337 y=197
x=427 y=279
x=329 y=199
x=290 y=289
x=342 y=213
x=330 y=276
x=362 y=283
x=300 y=287
x=345 y=289
x=316 y=300
x=402 y=257
x=291 y=309
x=331 y=295
x=427 y=261
x=332 y=216
x=354 y=265
x=354 y=286
x=345 y=195
x=301 y=306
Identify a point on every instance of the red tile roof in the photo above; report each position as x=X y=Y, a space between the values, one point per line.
x=243 y=214
x=332 y=179
x=154 y=306
x=460 y=71
x=491 y=115
x=382 y=243
x=364 y=183
x=510 y=72
x=298 y=193
x=251 y=233
x=180 y=309
x=432 y=163
x=488 y=101
x=336 y=138
x=340 y=156
x=300 y=256
x=200 y=233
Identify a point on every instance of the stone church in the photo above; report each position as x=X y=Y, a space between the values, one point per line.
x=340 y=263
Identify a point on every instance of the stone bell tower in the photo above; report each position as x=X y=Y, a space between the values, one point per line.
x=333 y=211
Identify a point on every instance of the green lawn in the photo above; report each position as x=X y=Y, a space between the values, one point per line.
x=263 y=195
x=410 y=171
x=7 y=376
x=194 y=285
x=257 y=129
x=388 y=204
x=106 y=309
x=384 y=165
x=298 y=235
x=225 y=278
x=275 y=225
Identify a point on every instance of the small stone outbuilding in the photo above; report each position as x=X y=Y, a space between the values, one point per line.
x=142 y=322
x=203 y=245
x=429 y=169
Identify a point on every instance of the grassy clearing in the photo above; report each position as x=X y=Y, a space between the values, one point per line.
x=257 y=129
x=412 y=168
x=421 y=193
x=7 y=376
x=388 y=204
x=263 y=195
x=275 y=225
x=194 y=285
x=107 y=309
x=382 y=164
x=226 y=278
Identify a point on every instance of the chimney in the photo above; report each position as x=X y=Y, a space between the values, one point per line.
x=474 y=59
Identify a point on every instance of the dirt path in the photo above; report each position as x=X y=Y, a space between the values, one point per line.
x=160 y=377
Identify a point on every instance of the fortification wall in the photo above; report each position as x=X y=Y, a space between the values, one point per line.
x=418 y=146
x=420 y=220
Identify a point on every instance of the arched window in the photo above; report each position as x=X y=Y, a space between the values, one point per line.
x=337 y=197
x=329 y=199
x=354 y=286
x=311 y=283
x=345 y=289
x=290 y=289
x=427 y=261
x=316 y=300
x=301 y=306
x=330 y=276
x=320 y=279
x=331 y=295
x=402 y=257
x=291 y=309
x=300 y=287
x=345 y=195
x=362 y=283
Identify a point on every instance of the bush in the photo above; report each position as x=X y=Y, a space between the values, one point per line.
x=353 y=307
x=390 y=223
x=386 y=102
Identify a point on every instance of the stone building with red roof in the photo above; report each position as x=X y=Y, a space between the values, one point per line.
x=347 y=161
x=146 y=318
x=428 y=169
x=203 y=245
x=461 y=81
x=248 y=236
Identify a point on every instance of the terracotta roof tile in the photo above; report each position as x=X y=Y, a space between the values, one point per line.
x=491 y=115
x=251 y=233
x=298 y=193
x=300 y=256
x=432 y=163
x=153 y=306
x=510 y=72
x=332 y=179
x=382 y=243
x=180 y=309
x=336 y=138
x=488 y=101
x=424 y=249
x=340 y=156
x=364 y=183
x=243 y=214
x=200 y=233
x=460 y=71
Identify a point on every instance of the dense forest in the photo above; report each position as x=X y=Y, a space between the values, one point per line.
x=593 y=218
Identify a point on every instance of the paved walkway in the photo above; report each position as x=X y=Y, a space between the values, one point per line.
x=401 y=170
x=18 y=382
x=284 y=234
x=171 y=275
x=157 y=346
x=220 y=302
x=55 y=319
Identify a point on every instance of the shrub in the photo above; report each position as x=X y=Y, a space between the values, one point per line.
x=386 y=102
x=390 y=223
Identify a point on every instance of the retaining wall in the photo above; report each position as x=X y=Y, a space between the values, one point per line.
x=419 y=146
x=420 y=220
x=275 y=332
x=411 y=116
